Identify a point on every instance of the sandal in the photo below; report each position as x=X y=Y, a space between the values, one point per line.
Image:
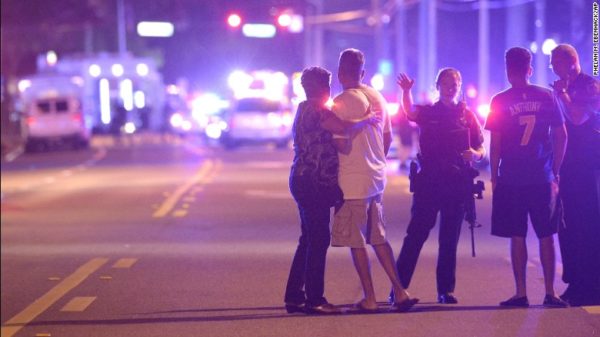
x=405 y=305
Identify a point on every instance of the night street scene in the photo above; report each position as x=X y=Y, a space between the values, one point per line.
x=220 y=168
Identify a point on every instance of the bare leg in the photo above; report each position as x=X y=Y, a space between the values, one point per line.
x=363 y=268
x=385 y=256
x=518 y=254
x=547 y=257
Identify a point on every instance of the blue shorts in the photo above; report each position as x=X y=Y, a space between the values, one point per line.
x=512 y=204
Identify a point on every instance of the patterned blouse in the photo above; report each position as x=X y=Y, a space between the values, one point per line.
x=315 y=156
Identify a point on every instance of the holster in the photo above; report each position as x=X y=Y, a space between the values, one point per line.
x=412 y=176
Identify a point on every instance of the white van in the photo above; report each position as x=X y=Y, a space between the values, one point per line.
x=55 y=120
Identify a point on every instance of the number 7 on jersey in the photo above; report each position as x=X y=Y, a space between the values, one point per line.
x=529 y=122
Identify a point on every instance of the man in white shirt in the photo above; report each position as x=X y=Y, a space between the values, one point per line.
x=362 y=178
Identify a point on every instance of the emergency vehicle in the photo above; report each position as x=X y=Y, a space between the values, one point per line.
x=101 y=86
x=52 y=111
x=260 y=111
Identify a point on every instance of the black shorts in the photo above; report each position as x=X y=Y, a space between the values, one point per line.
x=512 y=204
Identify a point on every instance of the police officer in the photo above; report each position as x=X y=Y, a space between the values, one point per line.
x=579 y=181
x=450 y=139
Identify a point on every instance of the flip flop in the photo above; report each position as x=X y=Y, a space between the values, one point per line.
x=405 y=305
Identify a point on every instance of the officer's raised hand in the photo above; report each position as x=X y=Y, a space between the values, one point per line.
x=405 y=82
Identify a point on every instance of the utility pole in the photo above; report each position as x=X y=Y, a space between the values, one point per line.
x=541 y=60
x=378 y=31
x=121 y=31
x=88 y=44
x=400 y=29
x=484 y=51
x=427 y=45
x=313 y=36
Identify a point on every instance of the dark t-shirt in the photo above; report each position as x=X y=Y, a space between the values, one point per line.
x=524 y=117
x=583 y=146
x=315 y=156
x=445 y=132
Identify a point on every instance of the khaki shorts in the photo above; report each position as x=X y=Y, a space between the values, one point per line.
x=359 y=222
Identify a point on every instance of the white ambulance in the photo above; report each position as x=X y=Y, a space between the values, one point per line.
x=52 y=112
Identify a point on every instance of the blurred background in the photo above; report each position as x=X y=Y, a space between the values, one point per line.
x=191 y=66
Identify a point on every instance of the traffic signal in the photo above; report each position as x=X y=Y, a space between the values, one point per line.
x=234 y=20
x=284 y=20
x=290 y=21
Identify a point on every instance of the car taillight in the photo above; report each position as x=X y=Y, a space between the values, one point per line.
x=77 y=118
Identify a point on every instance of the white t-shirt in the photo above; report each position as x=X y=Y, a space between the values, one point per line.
x=362 y=171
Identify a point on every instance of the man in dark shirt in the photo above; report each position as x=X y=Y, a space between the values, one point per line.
x=528 y=140
x=579 y=94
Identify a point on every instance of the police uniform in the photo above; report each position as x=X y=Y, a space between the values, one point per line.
x=580 y=192
x=440 y=187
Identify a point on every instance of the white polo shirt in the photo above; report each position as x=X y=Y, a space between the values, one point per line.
x=362 y=171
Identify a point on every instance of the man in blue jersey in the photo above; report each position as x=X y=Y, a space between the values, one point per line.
x=528 y=141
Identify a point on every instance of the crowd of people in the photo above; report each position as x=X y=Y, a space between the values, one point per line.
x=545 y=167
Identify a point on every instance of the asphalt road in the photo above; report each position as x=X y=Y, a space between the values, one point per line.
x=156 y=236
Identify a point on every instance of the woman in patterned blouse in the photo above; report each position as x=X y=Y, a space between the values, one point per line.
x=314 y=186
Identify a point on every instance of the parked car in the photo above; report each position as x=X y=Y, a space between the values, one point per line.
x=257 y=120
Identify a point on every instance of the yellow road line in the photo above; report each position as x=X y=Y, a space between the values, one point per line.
x=125 y=263
x=179 y=213
x=173 y=199
x=594 y=309
x=79 y=303
x=215 y=171
x=28 y=314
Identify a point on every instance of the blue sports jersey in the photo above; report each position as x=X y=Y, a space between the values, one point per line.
x=524 y=117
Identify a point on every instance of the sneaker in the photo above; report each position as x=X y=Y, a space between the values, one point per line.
x=447 y=298
x=551 y=301
x=521 y=302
